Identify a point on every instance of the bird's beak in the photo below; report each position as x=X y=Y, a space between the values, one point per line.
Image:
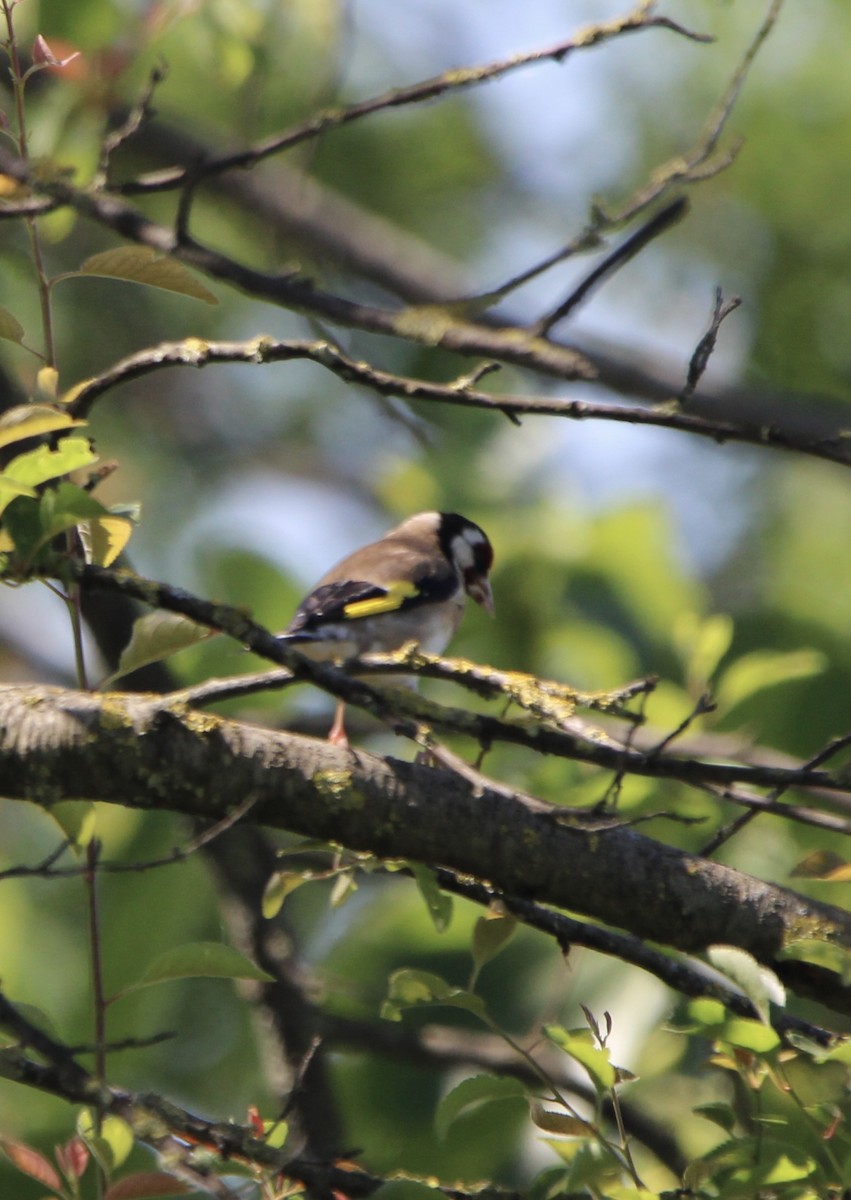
x=479 y=589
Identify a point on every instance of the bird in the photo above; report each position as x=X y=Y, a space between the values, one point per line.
x=410 y=585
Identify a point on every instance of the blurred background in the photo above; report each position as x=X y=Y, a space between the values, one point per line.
x=620 y=551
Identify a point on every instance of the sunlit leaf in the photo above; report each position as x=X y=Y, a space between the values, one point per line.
x=39 y=465
x=33 y=420
x=578 y=1044
x=703 y=643
x=758 y=982
x=10 y=490
x=408 y=987
x=707 y=1012
x=766 y=668
x=824 y=865
x=140 y=264
x=491 y=934
x=155 y=636
x=76 y=819
x=554 y=1121
x=275 y=1133
x=110 y=1142
x=47 y=384
x=749 y=1035
x=30 y=1162
x=471 y=1094
x=280 y=885
x=197 y=960
x=108 y=536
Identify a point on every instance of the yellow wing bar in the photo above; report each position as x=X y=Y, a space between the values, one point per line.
x=396 y=595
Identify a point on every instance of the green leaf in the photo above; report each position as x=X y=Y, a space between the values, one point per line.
x=557 y=1121
x=11 y=330
x=280 y=885
x=76 y=819
x=141 y=264
x=703 y=643
x=107 y=537
x=146 y=1185
x=718 y=1113
x=39 y=465
x=766 y=668
x=759 y=983
x=9 y=491
x=749 y=1035
x=820 y=954
x=825 y=865
x=275 y=1133
x=708 y=1013
x=33 y=420
x=491 y=934
x=408 y=987
x=198 y=960
x=471 y=1094
x=111 y=1143
x=578 y=1045
x=438 y=903
x=47 y=384
x=840 y=1053
x=155 y=636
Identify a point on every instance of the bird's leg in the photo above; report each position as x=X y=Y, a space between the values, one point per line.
x=337 y=733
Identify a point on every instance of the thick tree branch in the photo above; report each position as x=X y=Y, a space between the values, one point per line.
x=152 y=754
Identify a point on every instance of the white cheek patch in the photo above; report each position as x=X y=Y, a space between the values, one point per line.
x=462 y=552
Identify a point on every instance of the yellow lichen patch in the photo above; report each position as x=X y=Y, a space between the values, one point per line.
x=113 y=713
x=337 y=789
x=427 y=323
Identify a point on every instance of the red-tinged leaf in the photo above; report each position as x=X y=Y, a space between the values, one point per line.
x=30 y=1162
x=146 y=1185
x=73 y=1158
x=255 y=1120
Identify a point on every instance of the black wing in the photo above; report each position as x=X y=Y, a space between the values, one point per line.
x=328 y=604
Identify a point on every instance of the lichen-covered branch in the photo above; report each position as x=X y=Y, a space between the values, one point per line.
x=152 y=753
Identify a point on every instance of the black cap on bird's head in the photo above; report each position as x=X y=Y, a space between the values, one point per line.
x=468 y=548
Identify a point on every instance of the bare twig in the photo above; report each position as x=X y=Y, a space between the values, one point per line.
x=705 y=347
x=130 y=125
x=440 y=85
x=621 y=255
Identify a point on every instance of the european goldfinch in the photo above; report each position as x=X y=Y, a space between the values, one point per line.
x=410 y=585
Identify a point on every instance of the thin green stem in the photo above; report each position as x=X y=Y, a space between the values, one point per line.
x=98 y=995
x=74 y=603
x=42 y=280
